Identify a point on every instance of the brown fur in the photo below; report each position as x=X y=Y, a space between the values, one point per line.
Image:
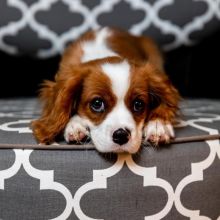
x=96 y=85
x=58 y=100
x=74 y=82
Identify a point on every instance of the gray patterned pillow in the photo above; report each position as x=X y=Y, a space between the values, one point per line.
x=44 y=28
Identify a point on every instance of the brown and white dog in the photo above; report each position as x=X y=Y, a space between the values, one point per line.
x=111 y=86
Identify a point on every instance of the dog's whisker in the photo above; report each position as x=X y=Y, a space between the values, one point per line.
x=96 y=97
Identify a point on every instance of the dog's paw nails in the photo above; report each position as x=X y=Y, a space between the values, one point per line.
x=75 y=131
x=77 y=136
x=72 y=134
x=81 y=135
x=157 y=132
x=69 y=137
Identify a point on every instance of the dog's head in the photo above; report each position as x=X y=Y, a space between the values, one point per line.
x=111 y=94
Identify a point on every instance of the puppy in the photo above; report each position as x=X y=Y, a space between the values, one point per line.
x=110 y=86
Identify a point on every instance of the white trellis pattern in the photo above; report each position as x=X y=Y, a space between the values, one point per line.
x=197 y=114
x=90 y=21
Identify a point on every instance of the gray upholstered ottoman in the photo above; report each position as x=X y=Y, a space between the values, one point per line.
x=180 y=181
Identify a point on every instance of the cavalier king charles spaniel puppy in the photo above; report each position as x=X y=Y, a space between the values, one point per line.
x=110 y=86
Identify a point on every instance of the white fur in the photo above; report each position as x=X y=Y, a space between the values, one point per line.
x=119 y=117
x=76 y=129
x=119 y=75
x=157 y=131
x=97 y=48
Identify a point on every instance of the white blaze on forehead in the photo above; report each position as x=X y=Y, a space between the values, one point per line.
x=119 y=74
x=120 y=116
x=97 y=48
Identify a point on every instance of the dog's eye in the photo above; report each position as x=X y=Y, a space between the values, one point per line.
x=97 y=105
x=138 y=105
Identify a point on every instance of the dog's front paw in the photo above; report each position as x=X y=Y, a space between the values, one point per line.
x=75 y=130
x=157 y=131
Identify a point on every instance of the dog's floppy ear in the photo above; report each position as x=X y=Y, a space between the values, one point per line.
x=163 y=97
x=58 y=98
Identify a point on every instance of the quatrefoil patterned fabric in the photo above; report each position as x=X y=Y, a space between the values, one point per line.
x=43 y=28
x=178 y=182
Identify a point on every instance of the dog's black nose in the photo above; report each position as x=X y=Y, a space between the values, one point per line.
x=121 y=136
